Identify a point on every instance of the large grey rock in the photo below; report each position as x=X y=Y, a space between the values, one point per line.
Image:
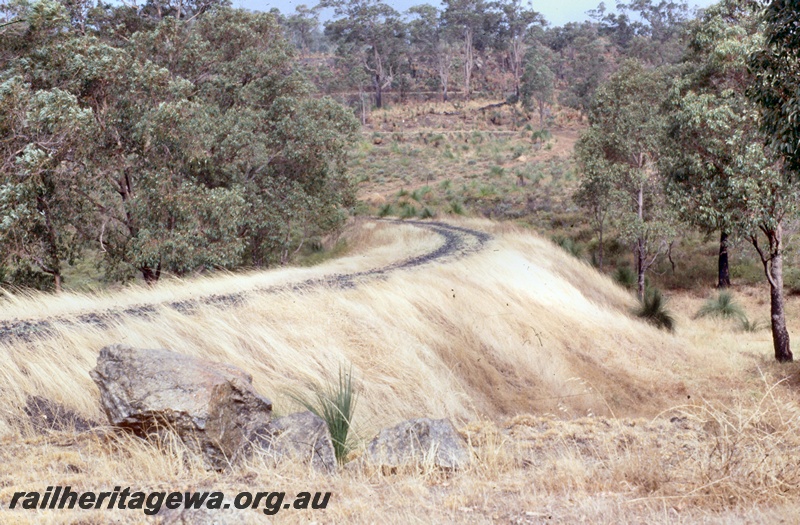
x=211 y=406
x=302 y=436
x=418 y=442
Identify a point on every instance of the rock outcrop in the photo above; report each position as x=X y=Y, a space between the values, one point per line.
x=420 y=442
x=212 y=406
x=302 y=436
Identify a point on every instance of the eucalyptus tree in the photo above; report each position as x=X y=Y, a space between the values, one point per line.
x=538 y=80
x=187 y=144
x=776 y=71
x=583 y=59
x=712 y=123
x=625 y=126
x=433 y=43
x=516 y=23
x=373 y=32
x=474 y=21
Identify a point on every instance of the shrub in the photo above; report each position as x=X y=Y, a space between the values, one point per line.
x=568 y=245
x=385 y=210
x=407 y=211
x=750 y=326
x=335 y=403
x=456 y=208
x=625 y=277
x=426 y=213
x=653 y=310
x=722 y=306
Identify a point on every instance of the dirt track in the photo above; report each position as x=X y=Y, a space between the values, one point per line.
x=457 y=242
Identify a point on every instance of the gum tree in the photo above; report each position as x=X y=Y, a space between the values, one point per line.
x=776 y=71
x=625 y=126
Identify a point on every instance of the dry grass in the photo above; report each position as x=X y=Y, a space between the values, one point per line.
x=631 y=424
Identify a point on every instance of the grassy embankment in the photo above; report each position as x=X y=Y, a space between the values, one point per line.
x=576 y=411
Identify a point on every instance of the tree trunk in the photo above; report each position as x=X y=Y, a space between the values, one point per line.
x=640 y=268
x=640 y=246
x=773 y=268
x=378 y=93
x=57 y=279
x=469 y=62
x=600 y=250
x=724 y=273
x=780 y=335
x=150 y=275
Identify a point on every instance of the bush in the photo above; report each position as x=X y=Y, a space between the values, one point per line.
x=456 y=208
x=625 y=277
x=385 y=210
x=653 y=310
x=568 y=245
x=722 y=306
x=751 y=326
x=336 y=404
x=407 y=211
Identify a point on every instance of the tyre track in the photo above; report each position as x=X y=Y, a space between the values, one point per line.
x=457 y=242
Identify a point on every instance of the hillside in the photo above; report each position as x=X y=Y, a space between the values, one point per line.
x=575 y=409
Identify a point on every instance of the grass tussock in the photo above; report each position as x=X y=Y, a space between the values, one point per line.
x=723 y=306
x=335 y=403
x=653 y=309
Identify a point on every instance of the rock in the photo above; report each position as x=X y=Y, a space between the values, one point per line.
x=302 y=436
x=417 y=442
x=211 y=406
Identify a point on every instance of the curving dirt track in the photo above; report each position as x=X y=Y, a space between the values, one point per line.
x=457 y=242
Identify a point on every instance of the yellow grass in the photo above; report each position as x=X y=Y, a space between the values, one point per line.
x=574 y=409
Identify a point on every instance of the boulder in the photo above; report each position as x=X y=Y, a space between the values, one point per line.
x=419 y=442
x=302 y=436
x=211 y=406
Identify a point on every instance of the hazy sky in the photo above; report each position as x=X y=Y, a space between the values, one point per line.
x=556 y=12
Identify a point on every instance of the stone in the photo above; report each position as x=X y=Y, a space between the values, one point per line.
x=419 y=442
x=302 y=436
x=212 y=406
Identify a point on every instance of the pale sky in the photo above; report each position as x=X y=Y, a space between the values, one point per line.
x=556 y=12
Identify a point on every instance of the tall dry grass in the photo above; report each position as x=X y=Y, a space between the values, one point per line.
x=630 y=423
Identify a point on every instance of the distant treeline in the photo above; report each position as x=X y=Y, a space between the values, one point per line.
x=494 y=47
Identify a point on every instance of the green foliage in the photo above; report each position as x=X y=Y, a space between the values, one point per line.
x=172 y=144
x=538 y=81
x=336 y=404
x=407 y=211
x=777 y=75
x=568 y=245
x=385 y=210
x=617 y=155
x=456 y=208
x=723 y=305
x=542 y=135
x=751 y=326
x=625 y=277
x=653 y=309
